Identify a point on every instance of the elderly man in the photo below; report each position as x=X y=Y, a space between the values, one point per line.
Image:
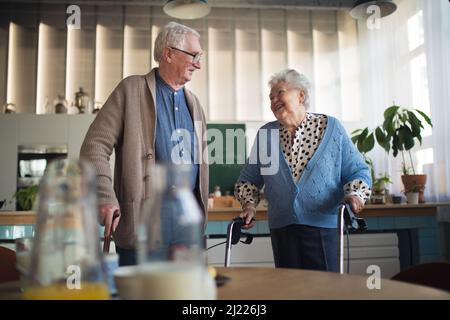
x=138 y=121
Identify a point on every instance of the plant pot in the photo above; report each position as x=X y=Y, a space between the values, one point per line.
x=412 y=181
x=412 y=197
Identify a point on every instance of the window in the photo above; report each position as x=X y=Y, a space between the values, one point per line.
x=417 y=61
x=415 y=31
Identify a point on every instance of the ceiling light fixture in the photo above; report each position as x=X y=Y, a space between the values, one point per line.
x=359 y=9
x=187 y=9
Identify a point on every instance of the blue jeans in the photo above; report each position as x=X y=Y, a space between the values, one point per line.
x=127 y=257
x=305 y=247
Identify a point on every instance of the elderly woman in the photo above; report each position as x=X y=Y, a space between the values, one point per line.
x=318 y=168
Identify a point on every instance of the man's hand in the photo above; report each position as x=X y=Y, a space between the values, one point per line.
x=248 y=212
x=109 y=215
x=356 y=203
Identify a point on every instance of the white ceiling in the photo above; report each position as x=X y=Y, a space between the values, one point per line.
x=214 y=3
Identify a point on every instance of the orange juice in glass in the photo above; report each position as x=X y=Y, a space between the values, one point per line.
x=87 y=291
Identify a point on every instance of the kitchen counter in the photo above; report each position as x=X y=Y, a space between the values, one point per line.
x=379 y=210
x=227 y=213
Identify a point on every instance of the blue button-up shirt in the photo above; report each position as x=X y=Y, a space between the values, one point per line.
x=175 y=140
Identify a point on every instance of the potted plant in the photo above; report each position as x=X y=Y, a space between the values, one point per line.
x=400 y=131
x=379 y=184
x=26 y=197
x=412 y=196
x=379 y=190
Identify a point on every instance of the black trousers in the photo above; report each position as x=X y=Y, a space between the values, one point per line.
x=305 y=247
x=127 y=257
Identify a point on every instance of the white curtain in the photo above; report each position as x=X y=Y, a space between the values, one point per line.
x=405 y=61
x=437 y=30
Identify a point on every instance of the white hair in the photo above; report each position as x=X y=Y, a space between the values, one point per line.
x=172 y=34
x=295 y=80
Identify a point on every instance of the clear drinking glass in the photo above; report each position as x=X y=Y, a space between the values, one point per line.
x=66 y=260
x=171 y=251
x=23 y=257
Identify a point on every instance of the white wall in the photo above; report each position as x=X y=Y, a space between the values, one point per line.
x=31 y=129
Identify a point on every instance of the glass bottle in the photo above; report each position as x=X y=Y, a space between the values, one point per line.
x=60 y=104
x=66 y=261
x=171 y=250
x=46 y=106
x=217 y=192
x=81 y=100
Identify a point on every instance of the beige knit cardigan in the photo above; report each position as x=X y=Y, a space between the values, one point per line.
x=126 y=124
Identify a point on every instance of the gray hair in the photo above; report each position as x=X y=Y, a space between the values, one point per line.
x=295 y=80
x=171 y=35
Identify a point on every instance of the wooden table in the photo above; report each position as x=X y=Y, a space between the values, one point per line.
x=295 y=284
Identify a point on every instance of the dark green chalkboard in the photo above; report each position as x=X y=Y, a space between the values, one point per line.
x=230 y=162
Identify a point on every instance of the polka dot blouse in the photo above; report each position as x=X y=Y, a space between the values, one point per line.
x=298 y=148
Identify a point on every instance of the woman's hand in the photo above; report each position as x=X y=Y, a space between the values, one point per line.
x=356 y=203
x=248 y=213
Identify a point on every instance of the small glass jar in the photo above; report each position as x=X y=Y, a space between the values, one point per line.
x=60 y=105
x=9 y=108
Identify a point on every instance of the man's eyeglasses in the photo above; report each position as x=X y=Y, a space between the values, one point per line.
x=197 y=57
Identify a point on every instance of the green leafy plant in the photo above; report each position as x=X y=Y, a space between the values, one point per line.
x=365 y=142
x=414 y=188
x=400 y=131
x=26 y=197
x=379 y=184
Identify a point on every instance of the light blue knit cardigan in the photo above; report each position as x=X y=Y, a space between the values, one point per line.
x=314 y=200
